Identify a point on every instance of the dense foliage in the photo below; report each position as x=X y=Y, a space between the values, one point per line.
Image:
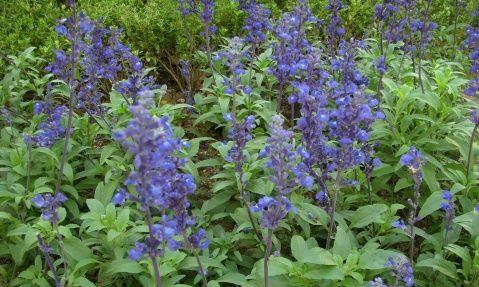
x=323 y=145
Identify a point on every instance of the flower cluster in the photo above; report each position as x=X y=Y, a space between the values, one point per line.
x=240 y=134
x=206 y=17
x=273 y=210
x=335 y=29
x=49 y=205
x=291 y=44
x=472 y=43
x=185 y=70
x=234 y=54
x=377 y=282
x=336 y=118
x=414 y=160
x=51 y=129
x=399 y=224
x=448 y=207
x=157 y=180
x=281 y=160
x=100 y=60
x=257 y=22
x=401 y=270
x=187 y=7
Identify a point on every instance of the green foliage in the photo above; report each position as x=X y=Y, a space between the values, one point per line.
x=96 y=235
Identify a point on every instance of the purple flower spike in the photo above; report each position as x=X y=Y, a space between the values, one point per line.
x=401 y=270
x=448 y=207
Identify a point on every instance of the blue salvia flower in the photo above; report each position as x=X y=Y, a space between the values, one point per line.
x=476 y=209
x=381 y=64
x=102 y=60
x=414 y=160
x=74 y=29
x=291 y=45
x=335 y=30
x=377 y=282
x=185 y=69
x=399 y=224
x=401 y=270
x=234 y=54
x=49 y=204
x=256 y=23
x=51 y=129
x=198 y=240
x=273 y=210
x=472 y=44
x=448 y=207
x=281 y=160
x=187 y=7
x=207 y=15
x=240 y=134
x=157 y=178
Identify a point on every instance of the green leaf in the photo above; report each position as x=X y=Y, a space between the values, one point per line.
x=123 y=266
x=325 y=273
x=68 y=172
x=233 y=278
x=106 y=152
x=76 y=249
x=432 y=203
x=216 y=201
x=83 y=282
x=445 y=267
x=95 y=206
x=342 y=244
x=299 y=248
x=376 y=258
x=368 y=214
x=319 y=256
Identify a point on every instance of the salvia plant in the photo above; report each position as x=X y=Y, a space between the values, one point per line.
x=295 y=151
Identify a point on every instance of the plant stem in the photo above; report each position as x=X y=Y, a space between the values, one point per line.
x=197 y=257
x=202 y=270
x=469 y=151
x=332 y=223
x=267 y=253
x=413 y=220
x=49 y=262
x=60 y=245
x=368 y=179
x=246 y=203
x=280 y=98
x=154 y=258
x=71 y=85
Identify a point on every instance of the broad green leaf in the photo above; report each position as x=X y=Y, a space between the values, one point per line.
x=299 y=248
x=376 y=258
x=445 y=267
x=76 y=249
x=342 y=244
x=368 y=214
x=432 y=203
x=325 y=273
x=122 y=266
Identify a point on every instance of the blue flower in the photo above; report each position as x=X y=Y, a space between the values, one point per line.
x=273 y=210
x=49 y=204
x=399 y=224
x=401 y=270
